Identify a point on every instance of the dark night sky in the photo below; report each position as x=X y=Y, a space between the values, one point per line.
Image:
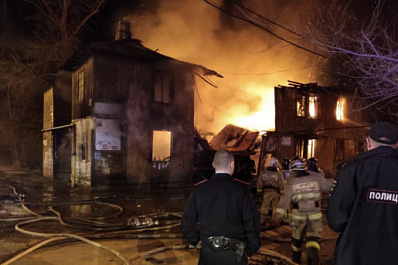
x=192 y=31
x=102 y=25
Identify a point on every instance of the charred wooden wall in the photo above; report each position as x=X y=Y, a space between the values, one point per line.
x=129 y=84
x=326 y=129
x=144 y=115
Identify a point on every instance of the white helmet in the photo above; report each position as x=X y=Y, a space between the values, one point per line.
x=273 y=162
x=298 y=164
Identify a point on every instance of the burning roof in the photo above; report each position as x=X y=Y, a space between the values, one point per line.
x=234 y=139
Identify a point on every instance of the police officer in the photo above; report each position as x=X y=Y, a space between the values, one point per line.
x=364 y=203
x=271 y=184
x=303 y=192
x=221 y=214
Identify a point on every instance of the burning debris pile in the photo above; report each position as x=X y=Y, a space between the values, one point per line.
x=240 y=141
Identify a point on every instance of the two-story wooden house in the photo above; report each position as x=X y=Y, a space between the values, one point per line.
x=121 y=113
x=315 y=121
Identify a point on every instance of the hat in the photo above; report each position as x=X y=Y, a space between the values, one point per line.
x=384 y=132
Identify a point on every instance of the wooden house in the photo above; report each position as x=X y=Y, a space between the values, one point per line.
x=121 y=113
x=315 y=121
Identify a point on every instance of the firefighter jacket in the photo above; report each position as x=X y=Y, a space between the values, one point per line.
x=270 y=178
x=303 y=194
x=222 y=206
x=363 y=206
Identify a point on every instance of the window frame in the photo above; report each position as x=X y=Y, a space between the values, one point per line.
x=155 y=147
x=80 y=86
x=163 y=88
x=303 y=149
x=303 y=105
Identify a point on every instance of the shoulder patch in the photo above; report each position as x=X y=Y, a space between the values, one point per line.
x=200 y=182
x=333 y=187
x=244 y=182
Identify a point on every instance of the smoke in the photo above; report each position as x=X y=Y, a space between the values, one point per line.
x=251 y=60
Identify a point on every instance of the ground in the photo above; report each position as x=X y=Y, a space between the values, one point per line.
x=48 y=222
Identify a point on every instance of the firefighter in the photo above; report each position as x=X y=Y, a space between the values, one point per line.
x=303 y=194
x=270 y=184
x=313 y=168
x=286 y=169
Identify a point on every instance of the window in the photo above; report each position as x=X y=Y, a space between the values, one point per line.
x=80 y=86
x=308 y=106
x=339 y=150
x=340 y=110
x=161 y=146
x=301 y=105
x=305 y=148
x=313 y=107
x=311 y=148
x=162 y=89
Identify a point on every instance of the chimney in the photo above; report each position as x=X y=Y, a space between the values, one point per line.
x=123 y=30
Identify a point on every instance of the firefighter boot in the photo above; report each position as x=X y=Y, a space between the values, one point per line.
x=296 y=246
x=296 y=256
x=313 y=247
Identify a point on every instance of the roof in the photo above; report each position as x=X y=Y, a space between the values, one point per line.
x=315 y=88
x=234 y=139
x=131 y=48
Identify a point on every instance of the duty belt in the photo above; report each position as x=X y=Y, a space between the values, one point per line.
x=220 y=242
x=224 y=243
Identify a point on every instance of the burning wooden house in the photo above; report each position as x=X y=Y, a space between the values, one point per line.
x=315 y=121
x=125 y=114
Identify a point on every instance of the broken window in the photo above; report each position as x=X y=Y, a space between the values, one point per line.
x=163 y=88
x=80 y=86
x=161 y=146
x=307 y=106
x=301 y=105
x=340 y=110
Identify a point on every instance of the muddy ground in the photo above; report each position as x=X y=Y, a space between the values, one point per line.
x=48 y=222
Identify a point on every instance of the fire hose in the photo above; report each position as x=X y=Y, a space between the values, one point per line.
x=144 y=223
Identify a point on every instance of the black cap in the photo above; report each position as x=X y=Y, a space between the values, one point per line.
x=384 y=132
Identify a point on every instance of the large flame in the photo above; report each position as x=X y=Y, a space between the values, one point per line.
x=262 y=120
x=251 y=61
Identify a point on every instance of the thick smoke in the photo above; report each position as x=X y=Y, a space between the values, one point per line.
x=251 y=60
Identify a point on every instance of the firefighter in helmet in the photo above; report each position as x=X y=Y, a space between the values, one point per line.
x=303 y=194
x=271 y=184
x=313 y=168
x=286 y=169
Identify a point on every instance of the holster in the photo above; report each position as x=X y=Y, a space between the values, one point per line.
x=225 y=243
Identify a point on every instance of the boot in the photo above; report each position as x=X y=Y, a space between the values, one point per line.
x=296 y=257
x=313 y=256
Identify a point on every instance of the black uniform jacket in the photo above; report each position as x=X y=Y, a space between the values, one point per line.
x=222 y=206
x=364 y=207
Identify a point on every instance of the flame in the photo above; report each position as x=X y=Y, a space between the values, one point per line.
x=262 y=120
